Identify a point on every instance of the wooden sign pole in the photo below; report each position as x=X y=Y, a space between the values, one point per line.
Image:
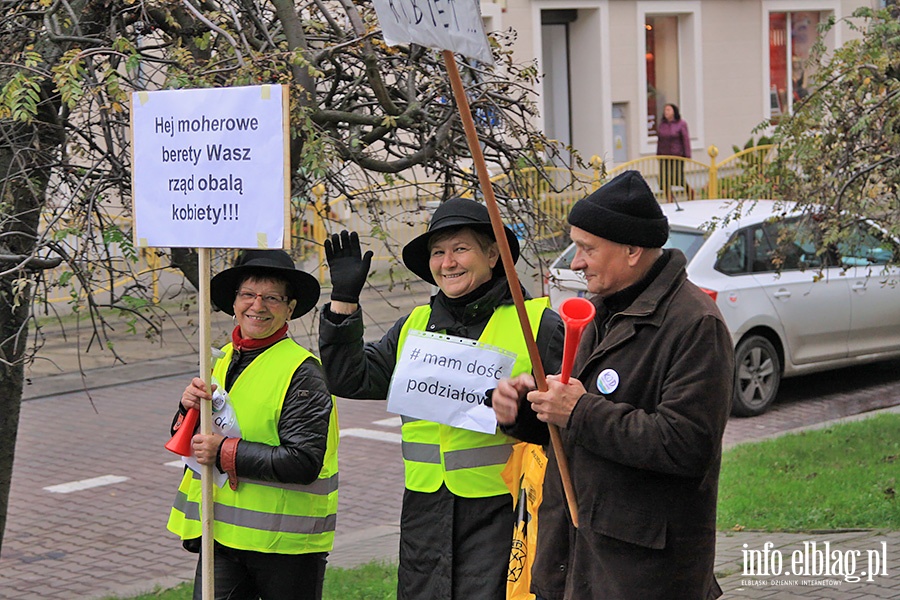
x=487 y=190
x=206 y=473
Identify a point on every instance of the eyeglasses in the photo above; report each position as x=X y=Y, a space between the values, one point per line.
x=270 y=300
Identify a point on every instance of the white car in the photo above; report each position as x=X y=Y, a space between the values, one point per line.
x=818 y=311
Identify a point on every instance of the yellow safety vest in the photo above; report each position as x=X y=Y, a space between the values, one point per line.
x=469 y=463
x=265 y=516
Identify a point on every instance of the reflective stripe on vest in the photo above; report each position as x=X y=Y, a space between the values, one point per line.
x=265 y=516
x=467 y=462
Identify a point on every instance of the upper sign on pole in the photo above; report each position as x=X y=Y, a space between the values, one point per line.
x=442 y=24
x=210 y=167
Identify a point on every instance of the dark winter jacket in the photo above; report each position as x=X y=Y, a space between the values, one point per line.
x=673 y=138
x=644 y=455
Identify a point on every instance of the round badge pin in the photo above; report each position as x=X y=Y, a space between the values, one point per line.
x=607 y=381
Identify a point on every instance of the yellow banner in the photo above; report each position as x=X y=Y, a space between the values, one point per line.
x=524 y=476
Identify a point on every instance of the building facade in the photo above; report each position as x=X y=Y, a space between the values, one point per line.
x=609 y=66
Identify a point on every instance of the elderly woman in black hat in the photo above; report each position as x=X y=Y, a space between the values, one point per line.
x=275 y=516
x=457 y=520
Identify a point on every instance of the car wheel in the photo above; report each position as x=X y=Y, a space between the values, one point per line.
x=757 y=374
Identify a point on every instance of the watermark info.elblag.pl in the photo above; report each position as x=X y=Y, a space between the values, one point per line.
x=813 y=564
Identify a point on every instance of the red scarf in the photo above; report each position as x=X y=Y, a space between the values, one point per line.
x=241 y=343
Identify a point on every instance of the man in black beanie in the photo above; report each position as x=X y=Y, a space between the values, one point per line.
x=641 y=419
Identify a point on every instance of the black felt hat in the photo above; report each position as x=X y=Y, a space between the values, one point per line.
x=455 y=212
x=302 y=287
x=623 y=211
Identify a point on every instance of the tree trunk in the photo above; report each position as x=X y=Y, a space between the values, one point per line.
x=13 y=335
x=186 y=260
x=25 y=175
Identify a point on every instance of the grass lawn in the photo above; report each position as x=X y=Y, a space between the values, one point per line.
x=372 y=581
x=845 y=476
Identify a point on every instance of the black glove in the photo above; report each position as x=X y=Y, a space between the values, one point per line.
x=348 y=267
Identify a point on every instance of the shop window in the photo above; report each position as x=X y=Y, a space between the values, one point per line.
x=791 y=38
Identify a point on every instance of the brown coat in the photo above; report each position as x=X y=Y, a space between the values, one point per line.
x=644 y=458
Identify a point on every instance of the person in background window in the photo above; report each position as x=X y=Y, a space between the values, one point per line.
x=673 y=139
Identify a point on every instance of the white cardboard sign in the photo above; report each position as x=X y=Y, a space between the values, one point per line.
x=442 y=378
x=442 y=24
x=210 y=167
x=224 y=423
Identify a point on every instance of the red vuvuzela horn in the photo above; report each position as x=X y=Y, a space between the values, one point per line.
x=576 y=313
x=181 y=441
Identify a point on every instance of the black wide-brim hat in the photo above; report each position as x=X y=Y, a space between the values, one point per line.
x=455 y=212
x=302 y=287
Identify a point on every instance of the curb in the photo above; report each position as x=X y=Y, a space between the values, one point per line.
x=104 y=377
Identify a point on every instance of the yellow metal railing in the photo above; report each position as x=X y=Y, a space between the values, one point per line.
x=688 y=179
x=539 y=200
x=670 y=177
x=742 y=169
x=386 y=217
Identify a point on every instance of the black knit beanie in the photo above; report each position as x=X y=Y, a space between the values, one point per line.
x=624 y=211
